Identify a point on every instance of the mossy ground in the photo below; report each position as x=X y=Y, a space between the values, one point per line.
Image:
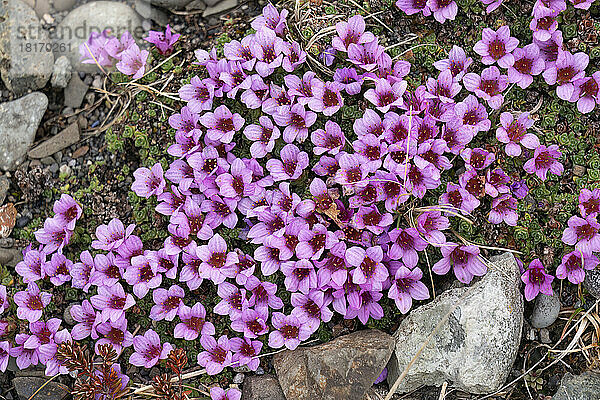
x=142 y=134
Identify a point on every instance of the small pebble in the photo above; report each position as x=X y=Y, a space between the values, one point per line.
x=54 y=168
x=22 y=221
x=545 y=310
x=47 y=160
x=260 y=371
x=545 y=336
x=65 y=170
x=238 y=379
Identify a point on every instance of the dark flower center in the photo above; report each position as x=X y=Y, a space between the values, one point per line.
x=238 y=184
x=591 y=206
x=476 y=186
x=426 y=132
x=589 y=88
x=145 y=273
x=298 y=121
x=254 y=326
x=573 y=263
x=489 y=86
x=415 y=176
x=372 y=218
x=372 y=152
x=219 y=355
x=471 y=117
x=289 y=167
x=368 y=267
x=330 y=98
x=195 y=323
x=225 y=125
x=115 y=336
x=544 y=160
x=269 y=54
x=291 y=241
x=171 y=303
x=456 y=67
x=386 y=98
x=247 y=350
x=180 y=242
x=265 y=134
x=323 y=201
x=235 y=301
x=71 y=213
x=217 y=260
x=312 y=309
x=404 y=284
x=515 y=132
x=399 y=132
x=419 y=4
x=317 y=242
x=391 y=189
x=331 y=141
x=545 y=23
x=301 y=273
x=565 y=74
x=497 y=49
x=117 y=302
x=290 y=331
x=459 y=256
x=524 y=65
x=353 y=175
x=478 y=159
x=455 y=198
x=261 y=294
x=221 y=209
x=586 y=232
x=152 y=352
x=536 y=276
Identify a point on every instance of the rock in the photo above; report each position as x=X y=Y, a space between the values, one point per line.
x=212 y=3
x=545 y=336
x=170 y=4
x=545 y=310
x=42 y=7
x=27 y=386
x=344 y=368
x=67 y=315
x=263 y=387
x=75 y=92
x=477 y=345
x=592 y=282
x=238 y=379
x=19 y=120
x=97 y=15
x=61 y=74
x=6 y=243
x=65 y=171
x=80 y=152
x=218 y=7
x=579 y=170
x=4 y=185
x=26 y=58
x=196 y=5
x=148 y=11
x=47 y=160
x=580 y=387
x=64 y=139
x=10 y=257
x=64 y=5
x=48 y=19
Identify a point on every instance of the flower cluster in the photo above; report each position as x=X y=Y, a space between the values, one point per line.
x=107 y=51
x=544 y=55
x=271 y=191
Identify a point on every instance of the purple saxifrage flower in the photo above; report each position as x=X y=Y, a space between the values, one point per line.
x=222 y=124
x=289 y=331
x=133 y=61
x=587 y=93
x=292 y=163
x=406 y=286
x=504 y=208
x=164 y=41
x=148 y=182
x=583 y=233
x=217 y=354
x=111 y=236
x=167 y=303
x=574 y=264
x=489 y=86
x=567 y=69
x=31 y=302
x=246 y=352
x=193 y=323
x=536 y=280
x=457 y=62
x=589 y=201
x=528 y=63
x=497 y=46
x=464 y=260
x=149 y=350
x=67 y=211
x=112 y=302
x=514 y=133
x=544 y=159
x=217 y=393
x=386 y=95
x=263 y=136
x=327 y=99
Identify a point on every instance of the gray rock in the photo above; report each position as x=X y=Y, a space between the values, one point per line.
x=67 y=317
x=4 y=185
x=27 y=386
x=75 y=92
x=545 y=310
x=592 y=282
x=10 y=257
x=170 y=4
x=47 y=160
x=344 y=368
x=238 y=379
x=61 y=74
x=545 y=336
x=19 y=120
x=149 y=11
x=65 y=171
x=94 y=16
x=64 y=5
x=196 y=5
x=42 y=7
x=580 y=387
x=218 y=7
x=263 y=387
x=66 y=138
x=477 y=345
x=26 y=58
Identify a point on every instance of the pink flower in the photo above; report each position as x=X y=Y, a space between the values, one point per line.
x=497 y=46
x=406 y=286
x=217 y=354
x=292 y=163
x=567 y=69
x=573 y=265
x=149 y=350
x=217 y=263
x=222 y=124
x=464 y=260
x=544 y=160
x=289 y=331
x=514 y=133
x=167 y=303
x=583 y=233
x=536 y=280
x=133 y=61
x=31 y=303
x=193 y=323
